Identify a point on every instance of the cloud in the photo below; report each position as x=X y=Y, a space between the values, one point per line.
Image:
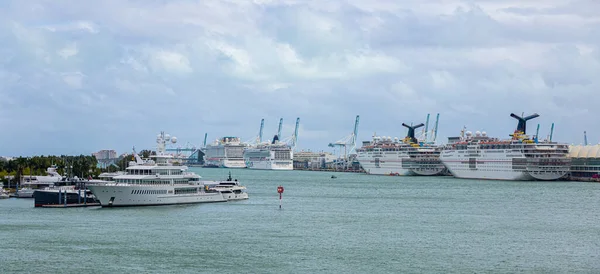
x=114 y=75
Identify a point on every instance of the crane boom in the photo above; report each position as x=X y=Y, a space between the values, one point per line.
x=260 y=132
x=279 y=130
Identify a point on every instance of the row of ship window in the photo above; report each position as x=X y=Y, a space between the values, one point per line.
x=153 y=172
x=149 y=191
x=154 y=182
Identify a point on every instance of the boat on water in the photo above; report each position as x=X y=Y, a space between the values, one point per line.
x=25 y=192
x=4 y=194
x=479 y=156
x=226 y=152
x=39 y=181
x=154 y=182
x=230 y=189
x=273 y=156
x=409 y=156
x=73 y=194
x=276 y=155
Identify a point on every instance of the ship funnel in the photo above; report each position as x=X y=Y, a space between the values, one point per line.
x=411 y=132
x=275 y=139
x=522 y=126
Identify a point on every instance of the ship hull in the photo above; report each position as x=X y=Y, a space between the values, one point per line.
x=498 y=170
x=43 y=197
x=225 y=163
x=270 y=165
x=144 y=195
x=388 y=166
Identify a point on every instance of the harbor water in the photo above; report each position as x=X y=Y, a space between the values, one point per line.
x=354 y=223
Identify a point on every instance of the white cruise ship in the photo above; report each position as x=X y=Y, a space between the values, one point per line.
x=278 y=155
x=227 y=152
x=274 y=156
x=519 y=158
x=156 y=182
x=387 y=156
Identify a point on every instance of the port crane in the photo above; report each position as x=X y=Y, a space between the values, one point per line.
x=424 y=136
x=292 y=141
x=348 y=143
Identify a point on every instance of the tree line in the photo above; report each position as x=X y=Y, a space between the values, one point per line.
x=82 y=166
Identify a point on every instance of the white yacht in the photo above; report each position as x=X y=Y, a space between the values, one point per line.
x=25 y=192
x=3 y=194
x=41 y=181
x=154 y=182
x=230 y=189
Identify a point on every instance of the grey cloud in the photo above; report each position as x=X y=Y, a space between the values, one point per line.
x=471 y=67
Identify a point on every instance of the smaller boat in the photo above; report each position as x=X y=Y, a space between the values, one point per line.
x=333 y=176
x=68 y=192
x=230 y=189
x=4 y=194
x=25 y=192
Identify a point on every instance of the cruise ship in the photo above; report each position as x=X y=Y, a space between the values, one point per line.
x=154 y=182
x=227 y=152
x=277 y=155
x=479 y=156
x=273 y=156
x=387 y=156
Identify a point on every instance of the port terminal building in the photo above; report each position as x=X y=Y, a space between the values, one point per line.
x=585 y=162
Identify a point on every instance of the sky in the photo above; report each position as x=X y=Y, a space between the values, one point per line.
x=79 y=76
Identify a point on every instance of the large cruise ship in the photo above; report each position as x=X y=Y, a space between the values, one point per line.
x=519 y=158
x=274 y=156
x=277 y=155
x=154 y=182
x=227 y=152
x=387 y=156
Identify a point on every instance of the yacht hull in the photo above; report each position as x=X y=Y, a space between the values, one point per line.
x=53 y=197
x=144 y=195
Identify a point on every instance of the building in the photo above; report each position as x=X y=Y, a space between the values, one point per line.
x=105 y=154
x=106 y=157
x=312 y=160
x=585 y=162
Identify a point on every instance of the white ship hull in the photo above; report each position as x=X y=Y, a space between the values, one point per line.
x=493 y=167
x=391 y=164
x=226 y=163
x=270 y=165
x=385 y=168
x=115 y=195
x=233 y=196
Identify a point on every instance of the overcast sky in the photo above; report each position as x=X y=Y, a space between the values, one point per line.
x=78 y=76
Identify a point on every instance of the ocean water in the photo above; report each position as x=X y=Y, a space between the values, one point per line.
x=355 y=223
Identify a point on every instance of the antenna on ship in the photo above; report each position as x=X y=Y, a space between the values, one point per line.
x=205 y=135
x=522 y=126
x=411 y=132
x=537 y=134
x=585 y=138
x=551 y=132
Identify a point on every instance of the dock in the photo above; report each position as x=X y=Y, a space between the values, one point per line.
x=71 y=205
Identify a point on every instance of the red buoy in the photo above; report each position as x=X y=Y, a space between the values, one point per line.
x=279 y=190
